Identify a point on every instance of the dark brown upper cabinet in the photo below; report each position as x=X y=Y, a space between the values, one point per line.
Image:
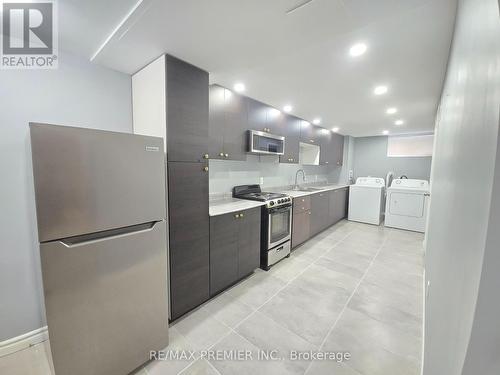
x=310 y=133
x=216 y=122
x=326 y=154
x=292 y=138
x=187 y=111
x=257 y=115
x=227 y=124
x=338 y=149
x=276 y=122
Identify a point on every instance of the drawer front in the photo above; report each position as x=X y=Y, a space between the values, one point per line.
x=301 y=204
x=278 y=253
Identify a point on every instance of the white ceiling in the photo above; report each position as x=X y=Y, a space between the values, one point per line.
x=301 y=58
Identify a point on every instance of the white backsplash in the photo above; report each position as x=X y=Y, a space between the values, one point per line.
x=266 y=171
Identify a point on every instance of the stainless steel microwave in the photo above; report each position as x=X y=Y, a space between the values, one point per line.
x=265 y=143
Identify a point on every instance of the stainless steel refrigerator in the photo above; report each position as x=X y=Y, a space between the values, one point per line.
x=100 y=201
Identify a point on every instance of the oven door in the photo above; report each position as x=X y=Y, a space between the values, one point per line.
x=279 y=225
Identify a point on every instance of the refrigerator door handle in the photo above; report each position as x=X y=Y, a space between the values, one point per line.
x=86 y=239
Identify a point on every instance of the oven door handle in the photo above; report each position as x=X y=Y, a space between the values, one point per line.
x=280 y=209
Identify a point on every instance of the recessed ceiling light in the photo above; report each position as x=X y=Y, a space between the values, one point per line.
x=317 y=121
x=380 y=90
x=357 y=49
x=399 y=122
x=335 y=129
x=391 y=111
x=239 y=87
x=385 y=132
x=287 y=108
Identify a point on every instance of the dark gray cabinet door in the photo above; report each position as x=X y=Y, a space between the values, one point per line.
x=310 y=133
x=235 y=126
x=187 y=111
x=338 y=205
x=216 y=123
x=333 y=216
x=327 y=153
x=338 y=149
x=342 y=203
x=301 y=227
x=275 y=121
x=223 y=251
x=320 y=206
x=188 y=235
x=249 y=241
x=257 y=115
x=292 y=138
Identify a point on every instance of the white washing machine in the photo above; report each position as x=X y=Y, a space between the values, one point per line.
x=366 y=200
x=406 y=204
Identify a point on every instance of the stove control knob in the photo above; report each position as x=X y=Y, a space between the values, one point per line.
x=271 y=203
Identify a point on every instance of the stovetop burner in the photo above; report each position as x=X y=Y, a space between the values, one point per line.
x=264 y=196
x=253 y=192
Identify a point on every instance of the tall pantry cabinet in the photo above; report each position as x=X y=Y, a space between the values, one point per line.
x=170 y=100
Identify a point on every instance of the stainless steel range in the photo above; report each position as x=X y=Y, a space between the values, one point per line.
x=276 y=227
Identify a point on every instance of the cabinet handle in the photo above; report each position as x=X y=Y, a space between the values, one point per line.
x=241 y=215
x=326 y=162
x=221 y=154
x=311 y=140
x=205 y=156
x=226 y=155
x=205 y=169
x=303 y=200
x=237 y=216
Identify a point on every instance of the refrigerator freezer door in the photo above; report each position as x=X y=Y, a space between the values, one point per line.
x=106 y=301
x=91 y=180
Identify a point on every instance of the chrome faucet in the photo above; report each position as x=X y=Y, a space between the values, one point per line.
x=296 y=186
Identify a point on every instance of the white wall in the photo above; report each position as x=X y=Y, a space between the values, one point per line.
x=457 y=265
x=370 y=159
x=79 y=94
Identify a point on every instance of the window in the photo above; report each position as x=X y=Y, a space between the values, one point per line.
x=410 y=146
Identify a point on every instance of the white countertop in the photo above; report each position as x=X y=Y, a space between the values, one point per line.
x=297 y=193
x=227 y=205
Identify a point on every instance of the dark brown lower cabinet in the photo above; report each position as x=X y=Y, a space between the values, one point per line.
x=320 y=212
x=342 y=201
x=223 y=251
x=301 y=227
x=316 y=212
x=249 y=241
x=234 y=247
x=188 y=236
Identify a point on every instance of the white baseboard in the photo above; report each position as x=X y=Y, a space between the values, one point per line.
x=23 y=341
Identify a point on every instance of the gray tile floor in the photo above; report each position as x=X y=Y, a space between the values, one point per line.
x=354 y=288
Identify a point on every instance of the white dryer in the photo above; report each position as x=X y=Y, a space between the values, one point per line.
x=406 y=204
x=366 y=200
